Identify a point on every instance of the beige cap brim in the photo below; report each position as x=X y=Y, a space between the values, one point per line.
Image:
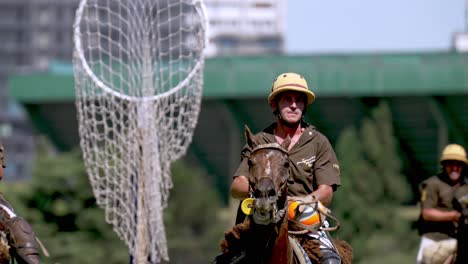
x=454 y=157
x=310 y=95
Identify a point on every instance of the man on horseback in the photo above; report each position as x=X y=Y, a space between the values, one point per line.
x=461 y=204
x=314 y=169
x=440 y=216
x=19 y=234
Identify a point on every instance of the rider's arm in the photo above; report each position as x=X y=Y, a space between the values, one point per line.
x=326 y=172
x=436 y=215
x=324 y=193
x=240 y=187
x=240 y=181
x=429 y=203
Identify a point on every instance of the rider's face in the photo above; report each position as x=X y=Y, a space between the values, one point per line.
x=453 y=169
x=291 y=106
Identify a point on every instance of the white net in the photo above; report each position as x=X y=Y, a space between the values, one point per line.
x=138 y=76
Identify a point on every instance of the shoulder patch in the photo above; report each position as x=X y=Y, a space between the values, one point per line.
x=423 y=195
x=463 y=200
x=336 y=166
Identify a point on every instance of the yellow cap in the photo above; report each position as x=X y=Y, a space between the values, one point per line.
x=290 y=81
x=454 y=152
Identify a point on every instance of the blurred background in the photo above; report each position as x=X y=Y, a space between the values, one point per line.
x=391 y=79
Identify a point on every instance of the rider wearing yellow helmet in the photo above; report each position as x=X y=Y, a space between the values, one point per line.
x=314 y=167
x=439 y=218
x=290 y=82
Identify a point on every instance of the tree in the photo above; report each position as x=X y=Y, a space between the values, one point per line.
x=59 y=204
x=194 y=227
x=372 y=191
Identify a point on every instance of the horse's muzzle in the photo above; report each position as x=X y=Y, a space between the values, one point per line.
x=264 y=211
x=265 y=203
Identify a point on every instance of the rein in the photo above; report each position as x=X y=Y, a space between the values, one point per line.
x=323 y=214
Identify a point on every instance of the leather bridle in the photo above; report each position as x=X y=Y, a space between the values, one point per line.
x=278 y=214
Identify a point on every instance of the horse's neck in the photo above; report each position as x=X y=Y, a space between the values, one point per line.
x=275 y=240
x=281 y=250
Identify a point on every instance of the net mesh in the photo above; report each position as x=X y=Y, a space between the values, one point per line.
x=138 y=68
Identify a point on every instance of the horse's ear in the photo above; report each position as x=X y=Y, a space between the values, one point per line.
x=250 y=138
x=286 y=142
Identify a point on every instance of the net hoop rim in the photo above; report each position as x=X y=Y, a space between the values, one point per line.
x=87 y=69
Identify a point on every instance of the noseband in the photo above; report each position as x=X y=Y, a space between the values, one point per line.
x=278 y=214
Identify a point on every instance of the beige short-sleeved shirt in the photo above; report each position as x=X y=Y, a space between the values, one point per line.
x=313 y=161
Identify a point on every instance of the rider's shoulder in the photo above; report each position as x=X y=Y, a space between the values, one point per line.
x=433 y=180
x=316 y=136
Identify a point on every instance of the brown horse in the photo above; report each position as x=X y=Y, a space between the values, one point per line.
x=263 y=236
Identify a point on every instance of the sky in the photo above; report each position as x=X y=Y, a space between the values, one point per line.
x=345 y=26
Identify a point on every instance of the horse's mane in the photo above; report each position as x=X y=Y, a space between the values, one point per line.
x=232 y=242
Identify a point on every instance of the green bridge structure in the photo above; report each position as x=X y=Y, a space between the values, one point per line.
x=426 y=92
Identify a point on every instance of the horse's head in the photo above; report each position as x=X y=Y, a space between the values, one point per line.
x=269 y=171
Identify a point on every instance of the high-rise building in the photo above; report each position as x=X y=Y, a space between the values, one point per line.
x=35 y=32
x=32 y=32
x=246 y=27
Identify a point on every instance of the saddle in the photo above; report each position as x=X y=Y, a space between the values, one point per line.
x=299 y=253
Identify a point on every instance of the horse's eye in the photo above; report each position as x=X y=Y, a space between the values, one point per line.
x=257 y=193
x=286 y=164
x=249 y=162
x=271 y=193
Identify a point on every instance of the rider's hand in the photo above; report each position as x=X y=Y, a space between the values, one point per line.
x=456 y=216
x=302 y=199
